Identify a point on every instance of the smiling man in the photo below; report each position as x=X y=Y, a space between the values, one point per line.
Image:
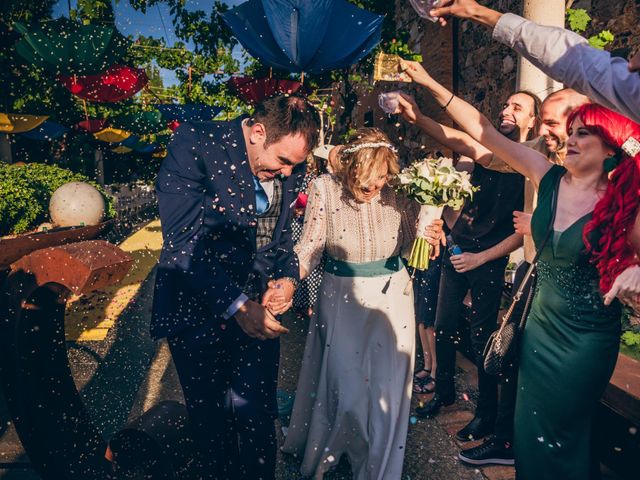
x=226 y=192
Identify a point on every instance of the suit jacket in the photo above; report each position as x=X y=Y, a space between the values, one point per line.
x=207 y=203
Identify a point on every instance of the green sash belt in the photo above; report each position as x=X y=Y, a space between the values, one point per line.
x=378 y=268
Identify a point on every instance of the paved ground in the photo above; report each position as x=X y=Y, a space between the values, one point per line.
x=127 y=373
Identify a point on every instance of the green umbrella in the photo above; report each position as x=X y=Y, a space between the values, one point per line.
x=68 y=48
x=140 y=123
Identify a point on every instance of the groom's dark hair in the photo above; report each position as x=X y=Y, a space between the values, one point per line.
x=288 y=115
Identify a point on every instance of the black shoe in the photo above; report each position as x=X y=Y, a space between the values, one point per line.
x=491 y=451
x=475 y=430
x=432 y=407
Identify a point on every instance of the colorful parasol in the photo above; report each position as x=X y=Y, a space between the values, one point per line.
x=303 y=35
x=18 y=123
x=121 y=149
x=64 y=47
x=117 y=83
x=111 y=135
x=253 y=90
x=46 y=131
x=140 y=123
x=92 y=125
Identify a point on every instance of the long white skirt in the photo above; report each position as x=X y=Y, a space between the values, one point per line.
x=354 y=390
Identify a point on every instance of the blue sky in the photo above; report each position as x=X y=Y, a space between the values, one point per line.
x=155 y=23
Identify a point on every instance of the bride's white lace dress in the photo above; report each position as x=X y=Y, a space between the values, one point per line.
x=354 y=389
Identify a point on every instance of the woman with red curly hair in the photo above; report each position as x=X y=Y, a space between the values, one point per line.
x=571 y=340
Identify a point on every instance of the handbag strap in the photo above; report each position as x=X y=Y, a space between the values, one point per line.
x=532 y=266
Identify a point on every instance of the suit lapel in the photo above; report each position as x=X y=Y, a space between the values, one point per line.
x=242 y=178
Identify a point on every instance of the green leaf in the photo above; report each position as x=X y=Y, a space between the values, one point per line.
x=578 y=19
x=601 y=40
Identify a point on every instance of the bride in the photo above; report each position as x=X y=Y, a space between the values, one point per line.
x=354 y=389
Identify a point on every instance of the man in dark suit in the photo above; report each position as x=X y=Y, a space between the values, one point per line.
x=226 y=192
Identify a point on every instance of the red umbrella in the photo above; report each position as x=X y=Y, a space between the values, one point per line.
x=254 y=90
x=92 y=125
x=116 y=83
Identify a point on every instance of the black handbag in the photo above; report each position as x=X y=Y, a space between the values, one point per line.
x=502 y=344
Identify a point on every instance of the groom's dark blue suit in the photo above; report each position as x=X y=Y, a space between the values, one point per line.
x=207 y=208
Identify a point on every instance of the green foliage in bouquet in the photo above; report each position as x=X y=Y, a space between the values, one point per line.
x=435 y=182
x=25 y=192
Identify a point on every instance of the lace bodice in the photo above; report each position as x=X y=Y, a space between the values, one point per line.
x=352 y=231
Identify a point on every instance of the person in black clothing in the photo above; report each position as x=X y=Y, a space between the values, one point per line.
x=484 y=232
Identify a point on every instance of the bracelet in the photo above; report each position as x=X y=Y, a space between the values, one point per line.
x=445 y=106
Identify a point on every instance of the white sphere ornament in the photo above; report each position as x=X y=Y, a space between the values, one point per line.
x=76 y=204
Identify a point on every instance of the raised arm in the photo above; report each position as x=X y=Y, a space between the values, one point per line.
x=563 y=55
x=456 y=140
x=314 y=232
x=521 y=158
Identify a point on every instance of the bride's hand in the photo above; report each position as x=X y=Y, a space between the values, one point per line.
x=626 y=286
x=279 y=296
x=435 y=236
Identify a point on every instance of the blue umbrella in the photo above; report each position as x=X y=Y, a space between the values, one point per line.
x=131 y=141
x=310 y=36
x=46 y=131
x=147 y=148
x=197 y=112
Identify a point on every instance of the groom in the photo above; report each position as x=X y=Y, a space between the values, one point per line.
x=226 y=191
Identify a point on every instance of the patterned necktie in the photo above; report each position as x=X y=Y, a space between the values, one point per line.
x=262 y=201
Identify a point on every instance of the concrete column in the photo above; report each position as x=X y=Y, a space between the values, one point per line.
x=545 y=12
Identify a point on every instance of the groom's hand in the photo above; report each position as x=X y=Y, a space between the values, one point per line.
x=257 y=322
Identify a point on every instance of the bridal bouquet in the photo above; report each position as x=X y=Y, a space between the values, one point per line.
x=434 y=184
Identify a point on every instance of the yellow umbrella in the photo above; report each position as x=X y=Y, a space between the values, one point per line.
x=18 y=123
x=112 y=135
x=161 y=154
x=122 y=149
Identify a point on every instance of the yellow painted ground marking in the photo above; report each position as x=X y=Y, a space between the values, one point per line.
x=90 y=317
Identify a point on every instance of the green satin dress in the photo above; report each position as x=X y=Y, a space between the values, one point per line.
x=569 y=350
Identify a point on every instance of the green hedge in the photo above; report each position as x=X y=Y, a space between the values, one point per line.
x=25 y=192
x=630 y=340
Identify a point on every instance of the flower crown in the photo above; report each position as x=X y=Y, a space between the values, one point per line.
x=360 y=146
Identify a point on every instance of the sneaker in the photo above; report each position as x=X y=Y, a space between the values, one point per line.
x=491 y=451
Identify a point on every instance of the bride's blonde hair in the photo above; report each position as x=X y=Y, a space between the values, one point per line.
x=361 y=160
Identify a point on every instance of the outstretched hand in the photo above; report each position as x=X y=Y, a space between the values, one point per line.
x=416 y=71
x=408 y=108
x=465 y=9
x=626 y=287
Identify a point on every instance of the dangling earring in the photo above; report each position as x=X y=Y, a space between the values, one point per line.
x=610 y=163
